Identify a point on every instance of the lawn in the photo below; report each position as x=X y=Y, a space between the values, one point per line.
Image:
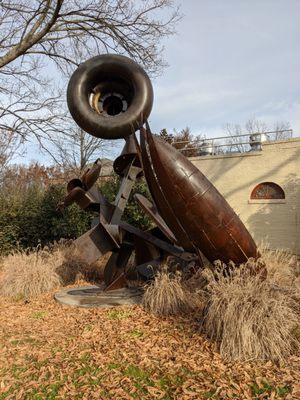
x=49 y=351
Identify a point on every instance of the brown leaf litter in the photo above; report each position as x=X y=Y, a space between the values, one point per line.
x=49 y=351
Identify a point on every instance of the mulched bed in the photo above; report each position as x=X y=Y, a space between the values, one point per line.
x=49 y=351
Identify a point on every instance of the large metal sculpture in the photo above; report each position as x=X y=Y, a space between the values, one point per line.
x=111 y=97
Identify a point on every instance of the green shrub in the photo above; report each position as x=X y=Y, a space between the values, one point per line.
x=30 y=218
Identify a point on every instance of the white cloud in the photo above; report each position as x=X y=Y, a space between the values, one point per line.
x=230 y=61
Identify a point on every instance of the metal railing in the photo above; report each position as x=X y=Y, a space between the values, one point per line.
x=229 y=144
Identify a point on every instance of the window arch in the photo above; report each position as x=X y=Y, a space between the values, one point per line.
x=267 y=191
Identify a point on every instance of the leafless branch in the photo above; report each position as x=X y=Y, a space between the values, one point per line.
x=39 y=38
x=74 y=149
x=254 y=127
x=9 y=146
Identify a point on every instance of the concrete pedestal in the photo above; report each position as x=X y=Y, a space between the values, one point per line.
x=94 y=296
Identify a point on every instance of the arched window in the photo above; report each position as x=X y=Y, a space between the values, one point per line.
x=267 y=191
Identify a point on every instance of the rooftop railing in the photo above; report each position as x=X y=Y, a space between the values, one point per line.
x=229 y=144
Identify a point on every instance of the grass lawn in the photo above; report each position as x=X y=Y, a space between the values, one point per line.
x=49 y=351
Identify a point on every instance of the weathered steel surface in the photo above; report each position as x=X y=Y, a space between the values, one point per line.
x=106 y=209
x=202 y=211
x=145 y=252
x=127 y=157
x=130 y=175
x=160 y=200
x=192 y=217
x=117 y=263
x=118 y=283
x=161 y=244
x=105 y=79
x=76 y=195
x=82 y=191
x=152 y=211
x=96 y=242
x=89 y=178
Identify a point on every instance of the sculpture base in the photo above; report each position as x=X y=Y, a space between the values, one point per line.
x=95 y=296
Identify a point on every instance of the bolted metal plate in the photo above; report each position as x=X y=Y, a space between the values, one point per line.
x=95 y=296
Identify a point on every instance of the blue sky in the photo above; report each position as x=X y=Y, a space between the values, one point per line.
x=231 y=60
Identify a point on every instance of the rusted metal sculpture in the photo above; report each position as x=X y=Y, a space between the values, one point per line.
x=111 y=97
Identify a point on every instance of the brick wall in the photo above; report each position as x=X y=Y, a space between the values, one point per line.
x=235 y=176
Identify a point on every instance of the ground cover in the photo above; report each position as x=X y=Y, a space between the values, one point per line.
x=49 y=351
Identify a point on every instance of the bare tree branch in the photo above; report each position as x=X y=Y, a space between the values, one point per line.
x=38 y=38
x=75 y=149
x=254 y=127
x=9 y=146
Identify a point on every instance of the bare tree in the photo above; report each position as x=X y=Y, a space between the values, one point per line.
x=239 y=143
x=282 y=130
x=76 y=149
x=40 y=37
x=184 y=141
x=238 y=135
x=9 y=146
x=234 y=140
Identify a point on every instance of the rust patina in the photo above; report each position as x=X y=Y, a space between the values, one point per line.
x=191 y=217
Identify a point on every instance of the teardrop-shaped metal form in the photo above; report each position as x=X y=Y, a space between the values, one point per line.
x=201 y=210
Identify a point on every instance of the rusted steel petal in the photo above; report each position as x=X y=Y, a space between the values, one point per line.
x=73 y=183
x=145 y=251
x=212 y=224
x=77 y=195
x=160 y=244
x=90 y=177
x=151 y=210
x=160 y=200
x=128 y=156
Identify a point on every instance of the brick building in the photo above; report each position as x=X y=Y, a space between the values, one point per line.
x=263 y=187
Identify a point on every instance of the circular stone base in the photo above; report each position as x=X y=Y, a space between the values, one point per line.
x=94 y=296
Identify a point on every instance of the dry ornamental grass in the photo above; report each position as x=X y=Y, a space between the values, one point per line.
x=247 y=315
x=167 y=294
x=29 y=274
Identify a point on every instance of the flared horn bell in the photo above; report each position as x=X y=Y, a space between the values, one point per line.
x=110 y=96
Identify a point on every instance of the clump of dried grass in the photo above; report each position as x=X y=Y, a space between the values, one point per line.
x=167 y=294
x=28 y=274
x=73 y=268
x=283 y=267
x=251 y=311
x=251 y=316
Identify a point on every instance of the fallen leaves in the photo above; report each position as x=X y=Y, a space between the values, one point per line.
x=54 y=352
